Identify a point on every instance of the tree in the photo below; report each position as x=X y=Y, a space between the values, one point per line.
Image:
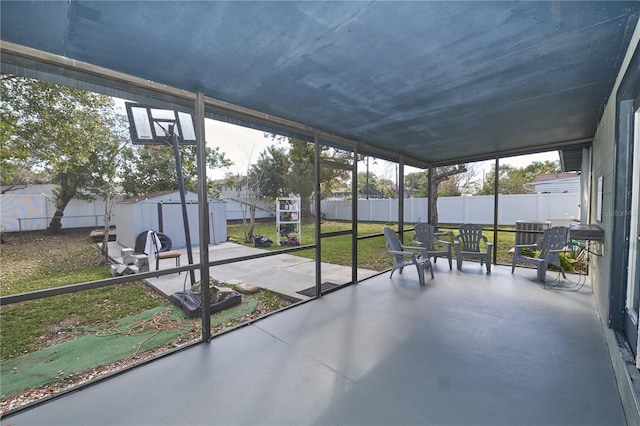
x=300 y=177
x=272 y=169
x=59 y=131
x=245 y=197
x=449 y=188
x=107 y=187
x=152 y=168
x=377 y=187
x=466 y=183
x=538 y=168
x=16 y=169
x=511 y=179
x=13 y=155
x=302 y=174
x=268 y=178
x=416 y=184
x=440 y=175
x=365 y=184
x=447 y=181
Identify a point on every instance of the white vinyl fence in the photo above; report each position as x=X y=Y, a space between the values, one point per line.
x=33 y=212
x=476 y=209
x=237 y=210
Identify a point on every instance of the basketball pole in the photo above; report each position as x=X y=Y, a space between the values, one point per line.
x=185 y=218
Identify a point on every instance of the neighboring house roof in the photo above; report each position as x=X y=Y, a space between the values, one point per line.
x=39 y=188
x=145 y=197
x=164 y=196
x=555 y=176
x=555 y=183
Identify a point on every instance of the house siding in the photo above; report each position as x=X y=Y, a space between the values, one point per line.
x=603 y=164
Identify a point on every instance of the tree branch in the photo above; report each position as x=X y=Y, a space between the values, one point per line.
x=461 y=168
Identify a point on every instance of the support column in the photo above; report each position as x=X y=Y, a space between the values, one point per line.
x=400 y=178
x=354 y=217
x=496 y=187
x=316 y=141
x=430 y=177
x=203 y=217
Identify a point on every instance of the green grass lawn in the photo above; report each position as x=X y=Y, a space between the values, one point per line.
x=372 y=253
x=43 y=262
x=57 y=341
x=29 y=325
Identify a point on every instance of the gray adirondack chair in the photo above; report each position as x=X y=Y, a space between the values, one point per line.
x=425 y=237
x=467 y=245
x=551 y=244
x=405 y=256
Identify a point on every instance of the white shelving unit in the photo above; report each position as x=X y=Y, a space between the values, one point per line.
x=288 y=222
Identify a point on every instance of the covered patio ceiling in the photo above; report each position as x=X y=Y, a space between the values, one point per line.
x=436 y=82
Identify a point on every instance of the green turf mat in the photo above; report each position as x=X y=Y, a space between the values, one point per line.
x=248 y=306
x=102 y=348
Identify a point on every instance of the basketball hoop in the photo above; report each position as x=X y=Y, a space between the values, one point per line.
x=155 y=126
x=163 y=129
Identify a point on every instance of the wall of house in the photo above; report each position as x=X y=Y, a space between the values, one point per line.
x=557 y=185
x=603 y=165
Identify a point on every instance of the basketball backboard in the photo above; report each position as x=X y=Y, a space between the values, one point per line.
x=149 y=126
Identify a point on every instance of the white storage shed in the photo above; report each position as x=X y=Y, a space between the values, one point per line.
x=162 y=212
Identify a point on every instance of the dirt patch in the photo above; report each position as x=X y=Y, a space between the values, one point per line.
x=68 y=250
x=43 y=241
x=60 y=332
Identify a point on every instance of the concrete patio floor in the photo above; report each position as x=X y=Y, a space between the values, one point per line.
x=285 y=273
x=466 y=349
